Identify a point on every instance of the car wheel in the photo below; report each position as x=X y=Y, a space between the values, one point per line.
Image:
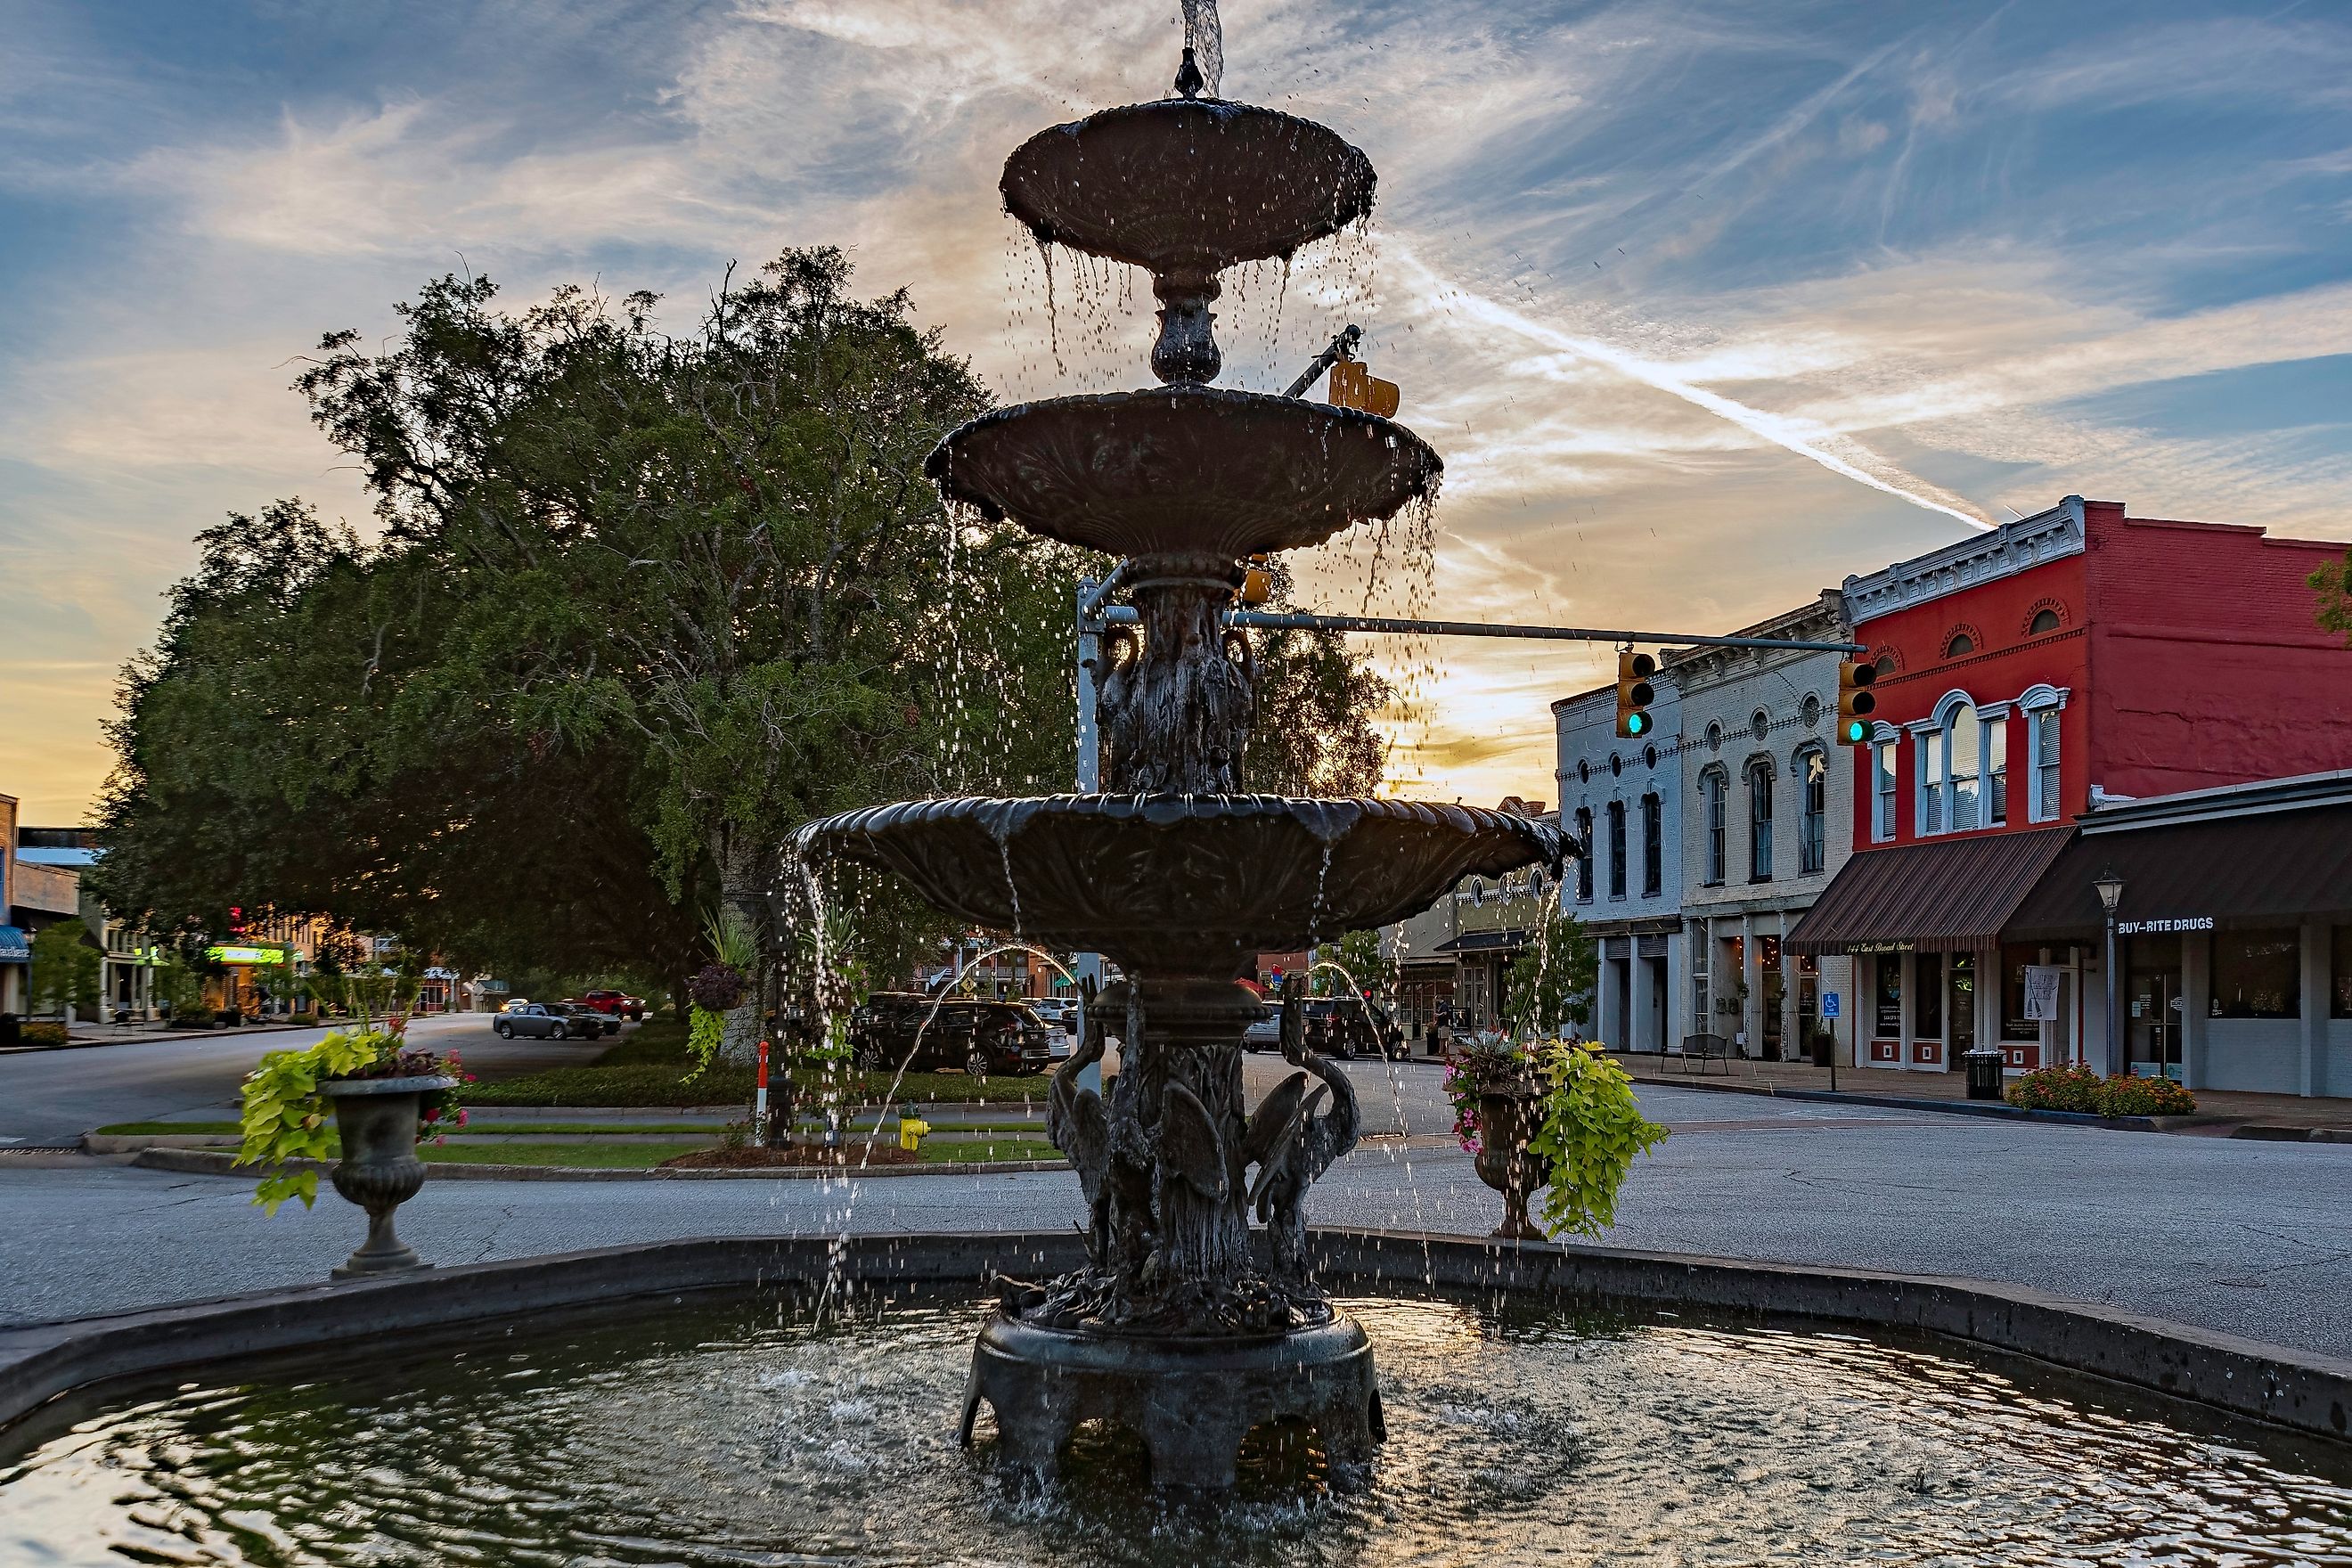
x=506 y=1031
x=558 y=1032
x=975 y=1064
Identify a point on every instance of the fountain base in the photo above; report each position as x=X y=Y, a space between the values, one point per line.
x=1191 y=1401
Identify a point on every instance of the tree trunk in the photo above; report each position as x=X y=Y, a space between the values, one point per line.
x=744 y=874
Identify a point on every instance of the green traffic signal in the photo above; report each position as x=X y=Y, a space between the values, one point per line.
x=1857 y=731
x=1637 y=723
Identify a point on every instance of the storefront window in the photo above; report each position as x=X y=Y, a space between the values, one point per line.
x=1927 y=996
x=1616 y=848
x=2258 y=974
x=1889 y=1025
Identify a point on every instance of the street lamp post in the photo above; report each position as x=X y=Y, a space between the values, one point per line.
x=2110 y=889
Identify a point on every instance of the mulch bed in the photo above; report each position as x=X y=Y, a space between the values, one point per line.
x=747 y=1159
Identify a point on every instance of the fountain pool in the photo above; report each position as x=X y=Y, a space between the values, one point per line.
x=740 y=1431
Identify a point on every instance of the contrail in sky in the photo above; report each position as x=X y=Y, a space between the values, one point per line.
x=1803 y=437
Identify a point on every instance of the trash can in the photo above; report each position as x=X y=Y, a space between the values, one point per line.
x=1984 y=1073
x=12 y=1033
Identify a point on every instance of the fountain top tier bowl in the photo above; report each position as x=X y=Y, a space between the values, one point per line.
x=1184 y=470
x=1187 y=187
x=1170 y=884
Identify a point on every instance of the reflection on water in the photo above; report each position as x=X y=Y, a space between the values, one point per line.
x=737 y=1434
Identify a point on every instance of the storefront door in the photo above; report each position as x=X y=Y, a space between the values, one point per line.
x=1776 y=990
x=2152 y=1004
x=1959 y=1009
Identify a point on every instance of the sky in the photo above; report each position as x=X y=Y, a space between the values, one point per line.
x=1707 y=307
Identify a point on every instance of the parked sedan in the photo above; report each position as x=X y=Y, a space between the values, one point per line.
x=549 y=1021
x=892 y=1028
x=1265 y=1033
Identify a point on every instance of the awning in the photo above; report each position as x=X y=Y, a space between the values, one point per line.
x=2280 y=864
x=1485 y=941
x=14 y=948
x=1948 y=895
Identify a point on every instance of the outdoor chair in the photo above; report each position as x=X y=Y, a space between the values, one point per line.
x=1704 y=1048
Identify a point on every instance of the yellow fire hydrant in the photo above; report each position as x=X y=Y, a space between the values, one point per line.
x=911 y=1133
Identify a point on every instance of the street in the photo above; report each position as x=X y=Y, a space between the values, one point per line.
x=56 y=1096
x=2243 y=1236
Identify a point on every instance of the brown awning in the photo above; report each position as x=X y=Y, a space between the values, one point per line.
x=2284 y=864
x=1944 y=896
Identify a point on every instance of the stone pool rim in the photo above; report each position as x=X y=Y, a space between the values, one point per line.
x=2295 y=1390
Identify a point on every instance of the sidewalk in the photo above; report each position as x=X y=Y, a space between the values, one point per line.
x=2219 y=1112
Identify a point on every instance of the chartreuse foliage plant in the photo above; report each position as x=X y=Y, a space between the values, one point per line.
x=285 y=1117
x=1592 y=1129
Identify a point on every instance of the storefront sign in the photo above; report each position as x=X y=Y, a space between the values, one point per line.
x=2041 y=992
x=1878 y=947
x=245 y=954
x=14 y=948
x=2137 y=928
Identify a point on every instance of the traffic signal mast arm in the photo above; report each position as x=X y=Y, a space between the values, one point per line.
x=1124 y=615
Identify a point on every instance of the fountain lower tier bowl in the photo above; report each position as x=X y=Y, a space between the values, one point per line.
x=1191 y=885
x=1184 y=470
x=1191 y=1402
x=1187 y=186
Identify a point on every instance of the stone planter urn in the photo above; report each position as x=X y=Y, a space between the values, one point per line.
x=1508 y=1117
x=378 y=1119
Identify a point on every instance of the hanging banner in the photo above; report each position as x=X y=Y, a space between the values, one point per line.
x=2041 y=992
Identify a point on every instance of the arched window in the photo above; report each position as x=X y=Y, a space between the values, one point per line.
x=1959 y=645
x=1959 y=760
x=1883 y=759
x=1813 y=816
x=2041 y=705
x=1759 y=820
x=1712 y=786
x=1616 y=848
x=1653 y=846
x=2044 y=621
x=1584 y=855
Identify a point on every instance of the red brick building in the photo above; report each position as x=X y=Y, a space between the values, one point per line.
x=2025 y=675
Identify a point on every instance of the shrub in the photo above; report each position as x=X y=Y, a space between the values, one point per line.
x=2068 y=1087
x=1592 y=1128
x=42 y=1034
x=2126 y=1096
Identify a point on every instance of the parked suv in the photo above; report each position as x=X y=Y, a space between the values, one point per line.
x=1345 y=1026
x=550 y=1021
x=980 y=1037
x=617 y=1004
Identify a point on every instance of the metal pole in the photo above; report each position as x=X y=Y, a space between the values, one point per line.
x=1089 y=966
x=1127 y=616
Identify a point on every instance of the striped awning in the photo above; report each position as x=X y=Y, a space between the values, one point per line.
x=1948 y=895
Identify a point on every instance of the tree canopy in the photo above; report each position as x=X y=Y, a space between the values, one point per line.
x=638 y=605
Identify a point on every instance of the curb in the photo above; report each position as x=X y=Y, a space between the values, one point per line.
x=2296 y=1390
x=209 y=1163
x=1998 y=1110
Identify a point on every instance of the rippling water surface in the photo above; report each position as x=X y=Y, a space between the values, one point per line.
x=741 y=1435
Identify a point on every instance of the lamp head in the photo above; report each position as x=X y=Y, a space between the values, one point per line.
x=2110 y=890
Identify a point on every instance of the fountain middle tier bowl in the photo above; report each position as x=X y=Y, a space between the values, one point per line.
x=1184 y=470
x=1193 y=885
x=1186 y=186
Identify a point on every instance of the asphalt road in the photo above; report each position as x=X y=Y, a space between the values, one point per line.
x=55 y=1097
x=2248 y=1237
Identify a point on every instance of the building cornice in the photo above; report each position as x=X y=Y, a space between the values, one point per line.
x=2006 y=550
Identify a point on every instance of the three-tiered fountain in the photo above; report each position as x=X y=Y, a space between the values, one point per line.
x=1181 y=1326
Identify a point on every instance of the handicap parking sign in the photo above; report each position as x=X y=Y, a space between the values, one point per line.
x=1829 y=1003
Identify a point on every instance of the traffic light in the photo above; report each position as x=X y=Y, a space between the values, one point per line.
x=1856 y=704
x=1634 y=694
